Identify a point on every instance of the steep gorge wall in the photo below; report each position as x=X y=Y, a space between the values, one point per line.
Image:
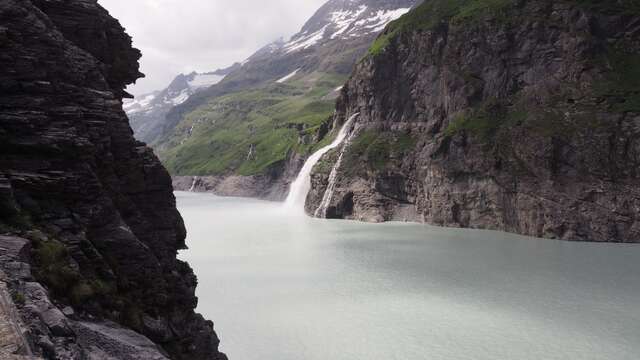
x=521 y=116
x=94 y=205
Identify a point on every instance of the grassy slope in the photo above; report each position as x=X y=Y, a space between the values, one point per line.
x=215 y=138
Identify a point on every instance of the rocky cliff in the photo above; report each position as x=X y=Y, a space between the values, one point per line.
x=521 y=116
x=91 y=260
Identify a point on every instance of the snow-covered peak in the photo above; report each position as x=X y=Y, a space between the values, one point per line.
x=204 y=80
x=379 y=20
x=180 y=89
x=344 y=19
x=306 y=41
x=266 y=51
x=139 y=103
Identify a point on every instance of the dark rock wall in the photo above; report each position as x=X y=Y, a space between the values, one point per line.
x=525 y=121
x=70 y=166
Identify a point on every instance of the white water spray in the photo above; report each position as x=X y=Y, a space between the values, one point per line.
x=321 y=211
x=301 y=186
x=193 y=184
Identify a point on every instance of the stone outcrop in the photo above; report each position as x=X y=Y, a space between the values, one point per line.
x=272 y=186
x=94 y=204
x=520 y=116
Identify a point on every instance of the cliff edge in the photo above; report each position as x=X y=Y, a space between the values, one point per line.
x=88 y=211
x=522 y=116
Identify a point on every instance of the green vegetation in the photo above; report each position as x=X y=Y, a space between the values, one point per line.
x=249 y=132
x=18 y=298
x=435 y=12
x=17 y=221
x=53 y=266
x=375 y=149
x=54 y=270
x=131 y=316
x=618 y=6
x=81 y=292
x=485 y=120
x=622 y=84
x=326 y=163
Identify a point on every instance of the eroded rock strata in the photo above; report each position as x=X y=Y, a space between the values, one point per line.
x=92 y=208
x=521 y=116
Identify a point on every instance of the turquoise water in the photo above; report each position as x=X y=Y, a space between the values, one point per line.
x=281 y=287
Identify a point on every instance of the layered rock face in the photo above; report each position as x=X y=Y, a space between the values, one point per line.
x=521 y=116
x=94 y=205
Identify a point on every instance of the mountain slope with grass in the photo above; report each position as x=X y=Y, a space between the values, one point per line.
x=521 y=116
x=249 y=134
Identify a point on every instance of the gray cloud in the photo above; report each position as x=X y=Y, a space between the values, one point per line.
x=179 y=36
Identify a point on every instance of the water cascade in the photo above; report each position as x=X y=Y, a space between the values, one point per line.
x=321 y=211
x=300 y=187
x=193 y=184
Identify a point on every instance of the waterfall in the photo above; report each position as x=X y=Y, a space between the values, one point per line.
x=193 y=184
x=321 y=211
x=301 y=186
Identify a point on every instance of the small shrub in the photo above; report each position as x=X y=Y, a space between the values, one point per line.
x=486 y=120
x=131 y=316
x=101 y=288
x=80 y=293
x=17 y=221
x=18 y=298
x=53 y=269
x=622 y=83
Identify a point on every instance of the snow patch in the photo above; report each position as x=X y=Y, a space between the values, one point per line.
x=205 y=80
x=281 y=80
x=378 y=22
x=182 y=97
x=344 y=19
x=305 y=42
x=134 y=106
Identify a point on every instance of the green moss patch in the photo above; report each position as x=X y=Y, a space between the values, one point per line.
x=54 y=270
x=485 y=120
x=621 y=86
x=373 y=150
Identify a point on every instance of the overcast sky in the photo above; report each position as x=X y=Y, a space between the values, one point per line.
x=180 y=36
